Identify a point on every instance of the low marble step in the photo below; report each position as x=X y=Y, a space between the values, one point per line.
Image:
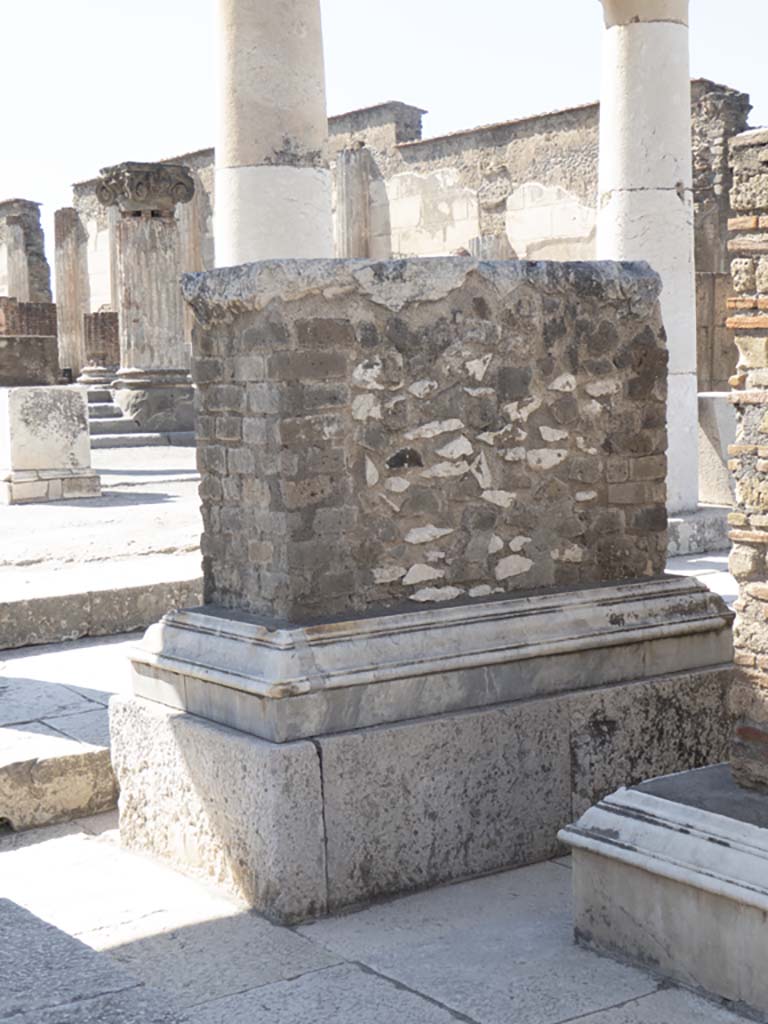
x=104 y=411
x=112 y=425
x=99 y=395
x=126 y=440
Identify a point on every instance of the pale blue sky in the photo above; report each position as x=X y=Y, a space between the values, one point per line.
x=86 y=83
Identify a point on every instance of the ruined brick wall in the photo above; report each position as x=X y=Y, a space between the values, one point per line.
x=749 y=463
x=377 y=434
x=27 y=318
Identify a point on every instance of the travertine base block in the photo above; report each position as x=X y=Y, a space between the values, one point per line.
x=672 y=875
x=301 y=828
x=48 y=485
x=159 y=402
x=45 y=451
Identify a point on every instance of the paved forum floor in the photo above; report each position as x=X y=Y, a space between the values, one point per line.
x=92 y=933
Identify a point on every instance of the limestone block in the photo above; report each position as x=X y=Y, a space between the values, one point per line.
x=415 y=805
x=218 y=804
x=44 y=428
x=47 y=777
x=645 y=729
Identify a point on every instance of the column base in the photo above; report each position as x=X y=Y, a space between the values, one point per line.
x=671 y=875
x=22 y=486
x=97 y=376
x=158 y=401
x=415 y=752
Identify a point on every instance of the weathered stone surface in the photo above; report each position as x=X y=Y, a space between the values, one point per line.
x=51 y=978
x=438 y=353
x=53 y=779
x=26 y=361
x=443 y=799
x=650 y=728
x=749 y=153
x=229 y=807
x=24 y=271
x=140 y=187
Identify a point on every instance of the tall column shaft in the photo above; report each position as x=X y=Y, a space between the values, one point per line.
x=273 y=186
x=646 y=193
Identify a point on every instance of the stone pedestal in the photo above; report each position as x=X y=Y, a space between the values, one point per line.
x=273 y=186
x=45 y=451
x=646 y=193
x=433 y=554
x=153 y=385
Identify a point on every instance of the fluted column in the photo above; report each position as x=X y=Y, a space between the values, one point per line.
x=153 y=385
x=646 y=193
x=273 y=186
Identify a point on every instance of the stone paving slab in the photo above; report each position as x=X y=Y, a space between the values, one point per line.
x=494 y=949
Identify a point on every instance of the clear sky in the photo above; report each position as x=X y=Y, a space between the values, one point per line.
x=86 y=83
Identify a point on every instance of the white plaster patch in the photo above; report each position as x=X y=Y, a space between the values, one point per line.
x=478 y=392
x=592 y=408
x=568 y=553
x=514 y=455
x=422 y=388
x=388 y=574
x=366 y=375
x=456 y=449
x=514 y=565
x=366 y=407
x=546 y=458
x=599 y=388
x=550 y=434
x=447 y=470
x=477 y=368
x=422 y=573
x=434 y=429
x=435 y=556
x=586 y=495
x=492 y=437
x=483 y=591
x=371 y=472
x=518 y=543
x=495 y=545
x=582 y=445
x=397 y=484
x=426 y=534
x=522 y=410
x=480 y=470
x=437 y=594
x=565 y=382
x=504 y=499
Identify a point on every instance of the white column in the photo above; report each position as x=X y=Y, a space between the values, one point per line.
x=646 y=193
x=273 y=187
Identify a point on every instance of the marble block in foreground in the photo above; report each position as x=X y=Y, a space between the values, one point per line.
x=45 y=448
x=672 y=875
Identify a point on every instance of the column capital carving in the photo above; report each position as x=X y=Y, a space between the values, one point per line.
x=143 y=188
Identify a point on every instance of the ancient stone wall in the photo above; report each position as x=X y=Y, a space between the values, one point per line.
x=101 y=338
x=24 y=271
x=379 y=434
x=29 y=318
x=749 y=308
x=524 y=188
x=28 y=350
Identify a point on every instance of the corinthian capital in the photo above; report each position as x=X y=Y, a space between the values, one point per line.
x=142 y=188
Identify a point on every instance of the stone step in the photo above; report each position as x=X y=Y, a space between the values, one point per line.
x=104 y=411
x=44 y=606
x=120 y=425
x=99 y=395
x=128 y=440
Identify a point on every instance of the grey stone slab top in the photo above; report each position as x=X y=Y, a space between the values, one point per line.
x=712 y=789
